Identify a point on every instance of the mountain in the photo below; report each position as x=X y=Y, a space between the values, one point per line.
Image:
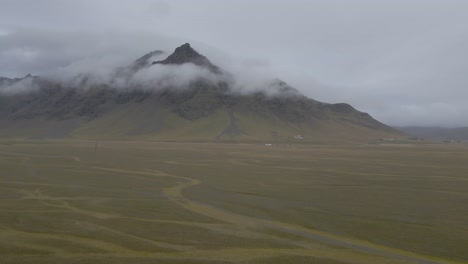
x=437 y=133
x=186 y=54
x=8 y=82
x=146 y=59
x=15 y=85
x=148 y=101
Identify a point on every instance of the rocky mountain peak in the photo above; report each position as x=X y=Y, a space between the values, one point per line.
x=186 y=54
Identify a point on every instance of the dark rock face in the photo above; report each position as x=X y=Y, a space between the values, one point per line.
x=186 y=54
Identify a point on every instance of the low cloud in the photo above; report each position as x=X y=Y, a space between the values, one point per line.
x=21 y=86
x=62 y=56
x=171 y=76
x=50 y=52
x=393 y=59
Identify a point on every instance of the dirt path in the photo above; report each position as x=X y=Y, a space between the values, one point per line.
x=175 y=194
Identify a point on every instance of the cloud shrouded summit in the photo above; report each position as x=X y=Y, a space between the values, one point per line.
x=154 y=71
x=403 y=61
x=186 y=54
x=182 y=90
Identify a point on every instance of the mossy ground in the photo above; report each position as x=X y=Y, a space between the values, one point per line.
x=146 y=202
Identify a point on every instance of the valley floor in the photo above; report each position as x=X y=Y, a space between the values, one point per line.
x=146 y=202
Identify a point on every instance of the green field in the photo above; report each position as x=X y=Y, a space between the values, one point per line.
x=147 y=202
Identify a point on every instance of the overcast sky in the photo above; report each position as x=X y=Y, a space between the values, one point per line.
x=403 y=61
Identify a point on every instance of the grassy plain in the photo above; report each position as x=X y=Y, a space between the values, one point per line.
x=146 y=202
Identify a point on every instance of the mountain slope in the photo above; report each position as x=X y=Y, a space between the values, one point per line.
x=206 y=108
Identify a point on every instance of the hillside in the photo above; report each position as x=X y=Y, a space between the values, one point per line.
x=170 y=108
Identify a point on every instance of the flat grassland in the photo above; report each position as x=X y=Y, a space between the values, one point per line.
x=146 y=202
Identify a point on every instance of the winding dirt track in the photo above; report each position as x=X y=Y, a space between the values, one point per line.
x=175 y=194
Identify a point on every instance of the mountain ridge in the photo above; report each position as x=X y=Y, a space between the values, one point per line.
x=202 y=110
x=145 y=60
x=186 y=54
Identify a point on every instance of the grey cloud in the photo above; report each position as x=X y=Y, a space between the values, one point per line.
x=165 y=76
x=403 y=61
x=21 y=86
x=43 y=51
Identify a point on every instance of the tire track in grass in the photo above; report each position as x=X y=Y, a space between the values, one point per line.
x=174 y=193
x=98 y=244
